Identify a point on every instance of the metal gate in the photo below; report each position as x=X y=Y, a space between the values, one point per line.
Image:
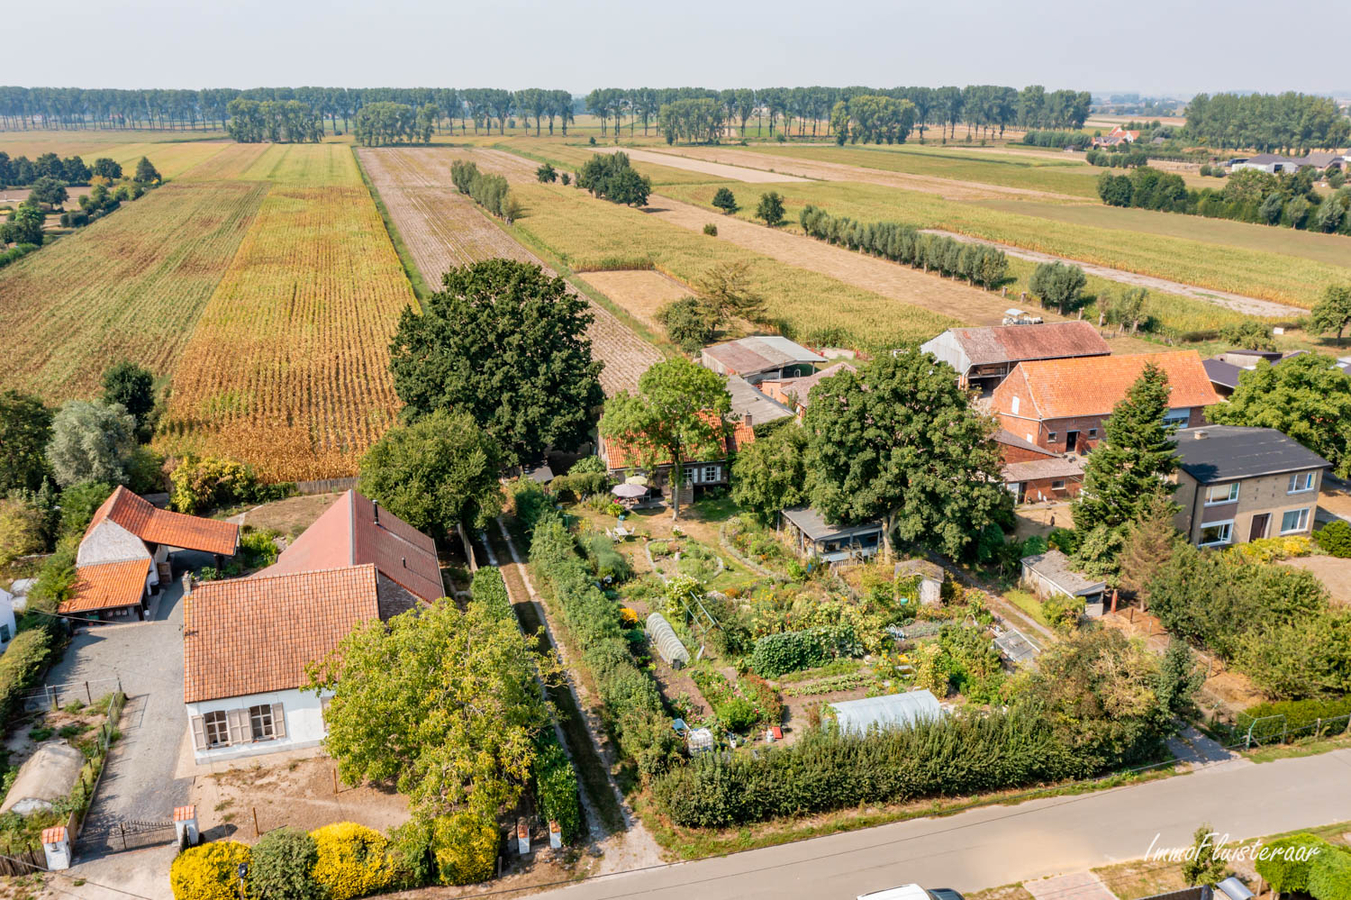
x=124 y=835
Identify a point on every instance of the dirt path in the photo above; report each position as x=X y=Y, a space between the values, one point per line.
x=901 y=283
x=948 y=188
x=720 y=170
x=1239 y=303
x=442 y=228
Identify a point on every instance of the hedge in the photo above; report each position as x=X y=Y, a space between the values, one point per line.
x=489 y=590
x=1334 y=539
x=556 y=787
x=1330 y=875
x=282 y=866
x=465 y=847
x=354 y=861
x=20 y=665
x=793 y=651
x=1301 y=716
x=826 y=770
x=632 y=705
x=208 y=872
x=1288 y=874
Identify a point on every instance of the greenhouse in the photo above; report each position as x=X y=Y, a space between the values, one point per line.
x=667 y=644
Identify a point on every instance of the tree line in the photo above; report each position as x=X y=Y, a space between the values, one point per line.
x=278 y=121
x=1268 y=122
x=387 y=122
x=489 y=191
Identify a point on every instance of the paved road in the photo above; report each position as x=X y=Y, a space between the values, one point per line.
x=148 y=656
x=998 y=845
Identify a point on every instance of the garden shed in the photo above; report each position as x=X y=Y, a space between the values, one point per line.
x=931 y=577
x=812 y=536
x=1050 y=574
x=664 y=638
x=890 y=711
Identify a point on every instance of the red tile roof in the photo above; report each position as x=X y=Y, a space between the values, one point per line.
x=1092 y=386
x=160 y=526
x=621 y=455
x=354 y=531
x=255 y=635
x=107 y=586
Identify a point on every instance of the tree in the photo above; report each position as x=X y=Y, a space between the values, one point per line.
x=1149 y=543
x=1115 y=190
x=612 y=177
x=769 y=474
x=25 y=429
x=439 y=472
x=1249 y=334
x=48 y=190
x=676 y=417
x=725 y=200
x=546 y=174
x=1333 y=312
x=1305 y=397
x=441 y=703
x=1202 y=865
x=1127 y=471
x=1058 y=285
x=1180 y=679
x=146 y=172
x=725 y=290
x=507 y=344
x=689 y=323
x=21 y=530
x=91 y=442
x=281 y=868
x=898 y=441
x=107 y=168
x=770 y=209
x=26 y=227
x=133 y=387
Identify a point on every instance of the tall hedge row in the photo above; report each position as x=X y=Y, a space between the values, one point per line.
x=1302 y=718
x=977 y=263
x=827 y=770
x=632 y=704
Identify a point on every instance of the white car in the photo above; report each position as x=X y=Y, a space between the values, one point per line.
x=912 y=892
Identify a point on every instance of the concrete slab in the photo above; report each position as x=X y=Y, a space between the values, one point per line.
x=1078 y=886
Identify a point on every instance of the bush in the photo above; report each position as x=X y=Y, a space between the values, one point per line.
x=20 y=665
x=208 y=872
x=1290 y=874
x=791 y=651
x=353 y=861
x=711 y=230
x=410 y=850
x=1301 y=717
x=609 y=564
x=282 y=867
x=1330 y=875
x=465 y=847
x=556 y=788
x=1062 y=612
x=490 y=591
x=209 y=482
x=1334 y=539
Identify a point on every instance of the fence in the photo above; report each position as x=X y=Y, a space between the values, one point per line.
x=1277 y=730
x=125 y=835
x=22 y=860
x=326 y=486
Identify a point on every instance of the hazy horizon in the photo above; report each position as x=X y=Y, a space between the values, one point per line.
x=600 y=43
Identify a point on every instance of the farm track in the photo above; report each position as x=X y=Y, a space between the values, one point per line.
x=442 y=229
x=705 y=167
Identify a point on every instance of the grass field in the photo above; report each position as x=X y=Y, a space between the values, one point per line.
x=287 y=368
x=1266 y=275
x=171 y=157
x=128 y=286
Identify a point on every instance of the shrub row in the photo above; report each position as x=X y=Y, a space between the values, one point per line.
x=977 y=263
x=632 y=704
x=1307 y=864
x=489 y=191
x=1301 y=718
x=556 y=787
x=1058 y=139
x=20 y=665
x=826 y=770
x=16 y=253
x=792 y=651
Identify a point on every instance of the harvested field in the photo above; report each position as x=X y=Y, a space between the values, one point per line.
x=129 y=286
x=231 y=162
x=641 y=293
x=171 y=157
x=288 y=364
x=572 y=158
x=705 y=167
x=442 y=228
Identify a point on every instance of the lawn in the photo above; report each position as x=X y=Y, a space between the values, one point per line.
x=1028 y=604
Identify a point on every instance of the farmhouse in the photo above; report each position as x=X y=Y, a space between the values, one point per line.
x=1050 y=575
x=1034 y=474
x=1239 y=484
x=246 y=643
x=813 y=537
x=796 y=392
x=760 y=357
x=1117 y=135
x=1060 y=404
x=984 y=357
x=620 y=458
x=125 y=553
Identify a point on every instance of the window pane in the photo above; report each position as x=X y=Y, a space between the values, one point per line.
x=217 y=732
x=1295 y=520
x=260 y=718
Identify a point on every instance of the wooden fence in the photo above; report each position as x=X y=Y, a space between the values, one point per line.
x=326 y=486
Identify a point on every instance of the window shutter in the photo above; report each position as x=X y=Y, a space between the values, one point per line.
x=198 y=733
x=239 y=726
x=278 y=721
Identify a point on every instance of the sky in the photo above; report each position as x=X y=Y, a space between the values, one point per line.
x=1150 y=46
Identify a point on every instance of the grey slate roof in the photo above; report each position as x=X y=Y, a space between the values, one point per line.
x=1054 y=566
x=748 y=400
x=1217 y=453
x=1222 y=373
x=816 y=528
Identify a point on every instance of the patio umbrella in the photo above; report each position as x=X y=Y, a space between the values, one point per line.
x=628 y=490
x=636 y=479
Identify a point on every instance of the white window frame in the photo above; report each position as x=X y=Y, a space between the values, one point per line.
x=261 y=725
x=1015 y=404
x=1301 y=516
x=710 y=474
x=1232 y=496
x=1092 y=432
x=1058 y=485
x=1226 y=530
x=1308 y=479
x=1179 y=417
x=216 y=721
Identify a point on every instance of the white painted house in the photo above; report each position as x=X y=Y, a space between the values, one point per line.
x=7 y=624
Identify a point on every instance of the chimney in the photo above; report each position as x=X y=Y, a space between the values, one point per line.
x=749 y=420
x=1199 y=434
x=187 y=584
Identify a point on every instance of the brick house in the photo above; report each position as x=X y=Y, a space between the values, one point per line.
x=622 y=459
x=1034 y=474
x=984 y=356
x=1238 y=484
x=1060 y=405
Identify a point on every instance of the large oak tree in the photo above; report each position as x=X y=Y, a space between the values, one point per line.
x=507 y=344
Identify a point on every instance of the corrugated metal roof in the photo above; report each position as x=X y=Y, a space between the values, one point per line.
x=814 y=525
x=889 y=711
x=1036 y=469
x=762 y=353
x=1054 y=566
x=1016 y=343
x=748 y=401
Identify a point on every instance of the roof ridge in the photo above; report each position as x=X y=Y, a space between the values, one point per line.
x=258 y=577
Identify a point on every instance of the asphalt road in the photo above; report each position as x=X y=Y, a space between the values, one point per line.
x=999 y=845
x=139 y=782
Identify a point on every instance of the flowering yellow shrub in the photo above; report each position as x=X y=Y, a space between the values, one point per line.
x=209 y=872
x=354 y=861
x=465 y=846
x=1272 y=549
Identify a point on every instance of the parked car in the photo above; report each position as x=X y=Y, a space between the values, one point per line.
x=913 y=892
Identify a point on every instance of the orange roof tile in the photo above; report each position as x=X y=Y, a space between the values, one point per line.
x=1093 y=385
x=160 y=526
x=622 y=455
x=254 y=635
x=107 y=586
